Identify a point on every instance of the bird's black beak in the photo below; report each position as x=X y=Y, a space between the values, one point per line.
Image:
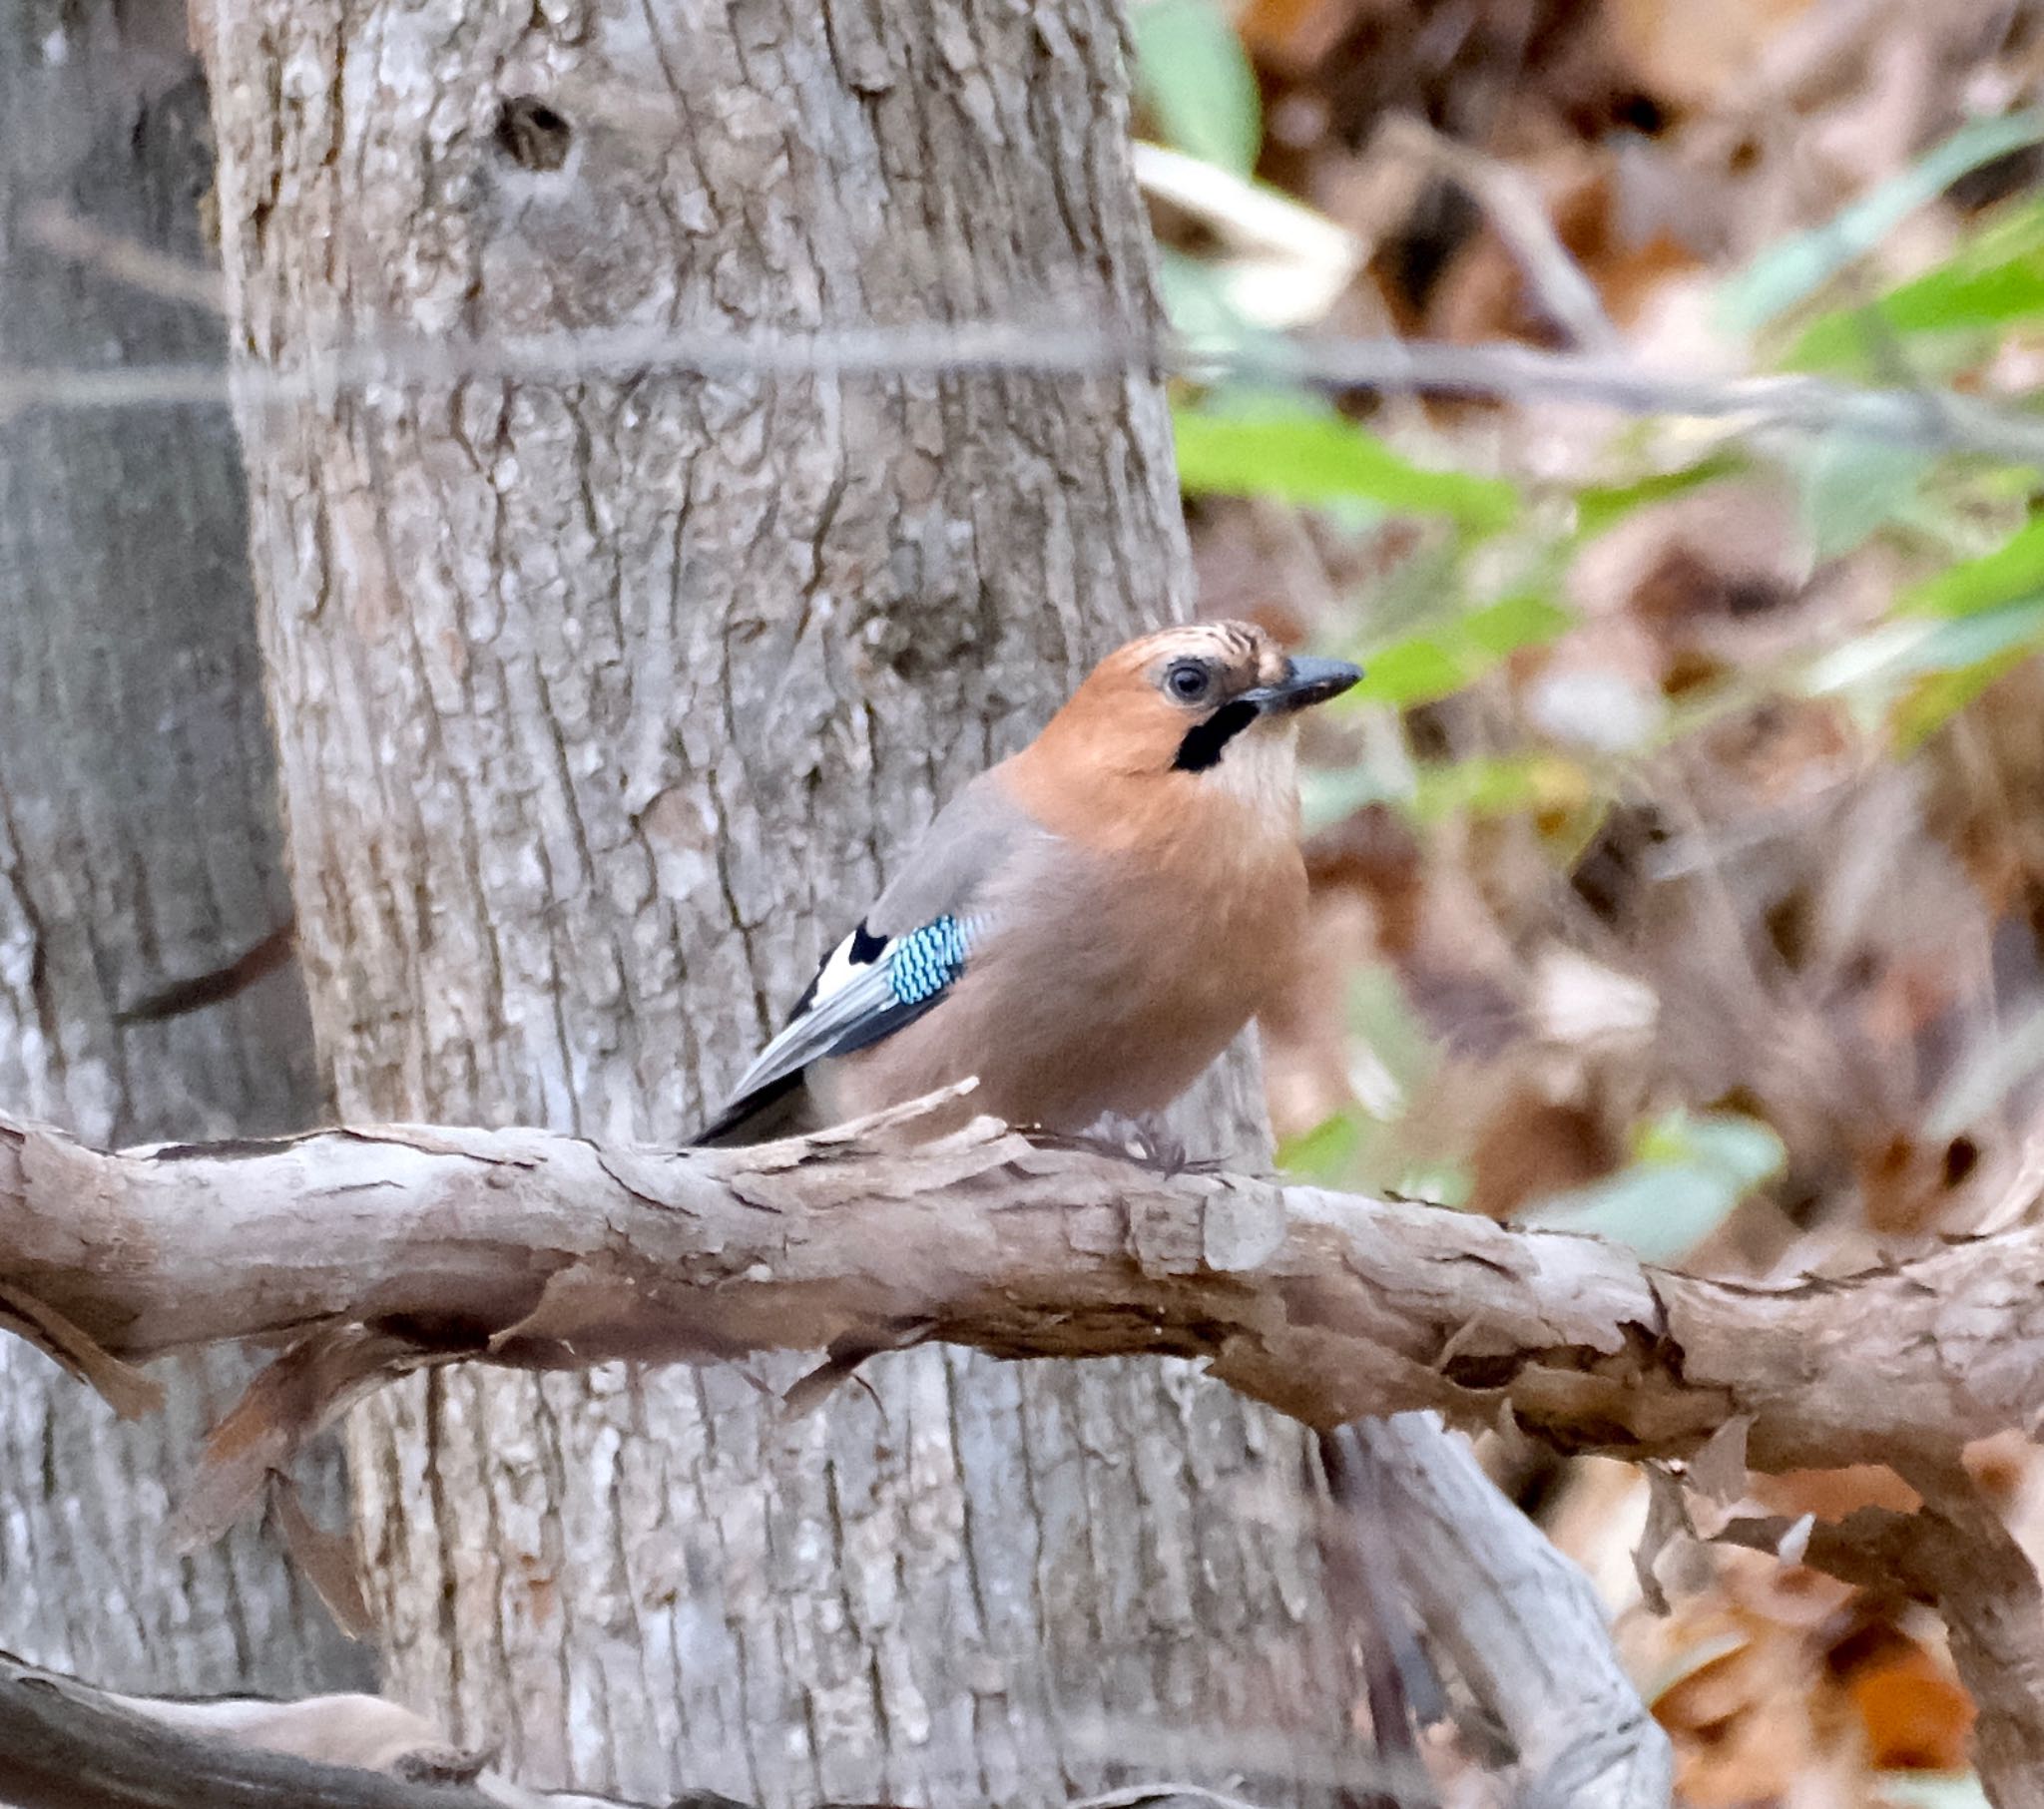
x=1306 y=683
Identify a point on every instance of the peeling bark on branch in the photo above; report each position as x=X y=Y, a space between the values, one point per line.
x=65 y=1745
x=390 y=1246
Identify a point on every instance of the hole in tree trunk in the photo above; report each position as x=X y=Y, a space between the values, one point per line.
x=531 y=133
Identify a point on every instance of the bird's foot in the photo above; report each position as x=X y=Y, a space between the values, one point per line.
x=1152 y=1144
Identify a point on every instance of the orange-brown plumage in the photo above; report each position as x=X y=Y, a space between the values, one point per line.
x=1136 y=880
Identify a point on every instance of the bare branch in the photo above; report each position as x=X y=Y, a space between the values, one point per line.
x=65 y=1745
x=121 y=258
x=385 y=1248
x=1994 y=1613
x=1954 y=1553
x=1525 y=1627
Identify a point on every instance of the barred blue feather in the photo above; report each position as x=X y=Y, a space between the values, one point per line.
x=923 y=963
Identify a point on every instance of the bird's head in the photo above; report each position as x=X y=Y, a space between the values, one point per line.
x=1209 y=700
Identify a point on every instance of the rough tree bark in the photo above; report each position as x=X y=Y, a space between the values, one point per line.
x=604 y=704
x=139 y=843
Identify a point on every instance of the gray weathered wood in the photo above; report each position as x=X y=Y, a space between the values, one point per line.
x=1523 y=1622
x=67 y=1745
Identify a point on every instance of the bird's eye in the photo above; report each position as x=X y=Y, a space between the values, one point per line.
x=1187 y=681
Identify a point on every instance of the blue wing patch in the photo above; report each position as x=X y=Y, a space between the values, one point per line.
x=866 y=989
x=923 y=963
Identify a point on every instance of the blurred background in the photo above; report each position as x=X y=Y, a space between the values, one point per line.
x=1680 y=863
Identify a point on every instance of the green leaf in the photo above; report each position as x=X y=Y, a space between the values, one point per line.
x=1498 y=786
x=1968 y=639
x=1793 y=269
x=1196 y=299
x=1325 y=1153
x=1440 y=1184
x=1321 y=458
x=1950 y=638
x=1411 y=671
x=1454 y=654
x=1380 y=1017
x=1993 y=280
x=1328 y=795
x=1688 y=1174
x=1603 y=505
x=1301 y=457
x=1936 y=697
x=1529 y=618
x=1851 y=486
x=2014 y=570
x=1193 y=76
x=1660 y=1213
x=1742 y=1151
x=1946 y=301
x=1910 y=645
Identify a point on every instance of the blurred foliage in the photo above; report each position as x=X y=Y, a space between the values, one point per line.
x=1193 y=77
x=1685 y=1177
x=1298 y=453
x=1791 y=271
x=1943 y=640
x=1943 y=317
x=1680 y=860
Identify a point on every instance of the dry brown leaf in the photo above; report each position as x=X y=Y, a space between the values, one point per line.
x=2001 y=1467
x=121 y=1385
x=1531 y=1147
x=285 y=1406
x=325 y=1560
x=1293 y=36
x=1694 y=54
x=1832 y=1495
x=1740 y=1722
x=1915 y=1716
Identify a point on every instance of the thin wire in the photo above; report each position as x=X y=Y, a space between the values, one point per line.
x=1934 y=421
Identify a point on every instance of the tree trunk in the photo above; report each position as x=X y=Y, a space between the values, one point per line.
x=138 y=846
x=604 y=707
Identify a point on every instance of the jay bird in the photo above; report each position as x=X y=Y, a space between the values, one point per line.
x=1085 y=926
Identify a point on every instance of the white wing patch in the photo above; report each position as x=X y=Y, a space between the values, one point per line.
x=839 y=970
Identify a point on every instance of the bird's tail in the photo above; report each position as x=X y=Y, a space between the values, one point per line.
x=783 y=1108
